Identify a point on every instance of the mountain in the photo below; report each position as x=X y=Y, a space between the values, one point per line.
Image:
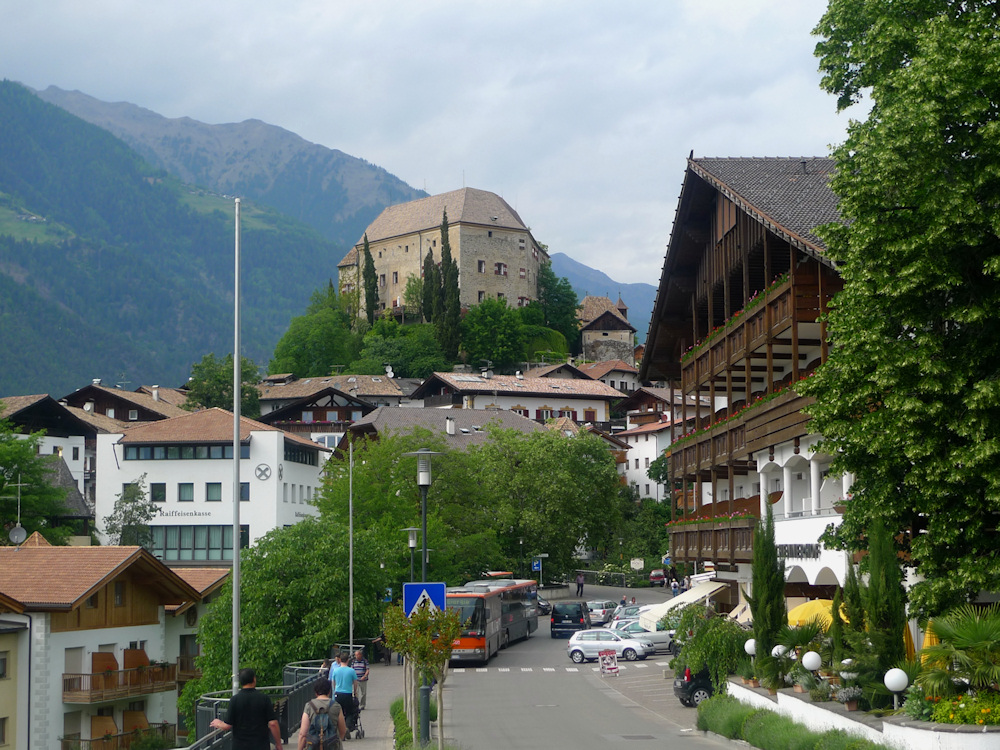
x=586 y=280
x=337 y=194
x=111 y=268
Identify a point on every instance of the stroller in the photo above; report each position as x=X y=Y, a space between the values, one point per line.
x=353 y=720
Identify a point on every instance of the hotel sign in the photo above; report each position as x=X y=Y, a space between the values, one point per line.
x=799 y=551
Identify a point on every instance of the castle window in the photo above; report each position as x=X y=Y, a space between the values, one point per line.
x=481 y=266
x=482 y=295
x=524 y=273
x=395 y=277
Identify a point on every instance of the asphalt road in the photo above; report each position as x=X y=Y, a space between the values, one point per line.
x=532 y=696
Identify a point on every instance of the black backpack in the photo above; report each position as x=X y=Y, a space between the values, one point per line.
x=323 y=734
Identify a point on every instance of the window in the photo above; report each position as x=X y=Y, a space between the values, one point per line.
x=637 y=463
x=481 y=266
x=158 y=492
x=196 y=542
x=4 y=655
x=543 y=414
x=590 y=415
x=395 y=277
x=185 y=492
x=307 y=416
x=501 y=295
x=245 y=491
x=119 y=593
x=3 y=730
x=489 y=232
x=76 y=453
x=55 y=450
x=92 y=602
x=647 y=462
x=381 y=280
x=500 y=269
x=647 y=490
x=523 y=273
x=482 y=295
x=133 y=415
x=213 y=491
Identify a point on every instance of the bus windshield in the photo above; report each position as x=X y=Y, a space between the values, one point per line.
x=471 y=611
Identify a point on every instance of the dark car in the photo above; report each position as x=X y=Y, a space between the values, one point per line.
x=569 y=617
x=544 y=608
x=692 y=689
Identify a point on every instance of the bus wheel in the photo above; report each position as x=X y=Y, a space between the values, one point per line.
x=506 y=639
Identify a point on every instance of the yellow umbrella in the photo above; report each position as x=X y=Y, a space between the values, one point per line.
x=930 y=639
x=908 y=642
x=812 y=610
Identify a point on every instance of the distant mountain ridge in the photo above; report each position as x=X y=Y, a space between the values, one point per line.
x=586 y=280
x=335 y=193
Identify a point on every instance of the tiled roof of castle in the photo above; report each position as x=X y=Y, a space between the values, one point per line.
x=591 y=308
x=465 y=206
x=793 y=192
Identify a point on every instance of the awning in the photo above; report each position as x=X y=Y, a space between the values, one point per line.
x=651 y=616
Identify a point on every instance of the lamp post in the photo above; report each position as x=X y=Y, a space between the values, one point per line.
x=423 y=482
x=413 y=545
x=897 y=681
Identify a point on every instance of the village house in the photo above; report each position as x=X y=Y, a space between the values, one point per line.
x=605 y=333
x=497 y=256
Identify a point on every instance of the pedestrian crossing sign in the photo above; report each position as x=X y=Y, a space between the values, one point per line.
x=416 y=595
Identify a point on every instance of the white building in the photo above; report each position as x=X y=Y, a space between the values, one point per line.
x=646 y=442
x=187 y=465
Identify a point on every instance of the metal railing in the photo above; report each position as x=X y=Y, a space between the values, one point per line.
x=121 y=683
x=122 y=741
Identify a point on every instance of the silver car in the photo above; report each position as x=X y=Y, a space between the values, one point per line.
x=601 y=611
x=662 y=639
x=587 y=644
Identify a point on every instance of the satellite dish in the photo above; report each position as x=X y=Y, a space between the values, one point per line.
x=18 y=534
x=388 y=371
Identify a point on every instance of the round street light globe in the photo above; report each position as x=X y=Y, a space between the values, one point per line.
x=779 y=651
x=812 y=661
x=896 y=680
x=750 y=647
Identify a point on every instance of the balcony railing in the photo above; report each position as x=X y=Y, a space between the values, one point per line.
x=123 y=741
x=123 y=683
x=186 y=669
x=722 y=540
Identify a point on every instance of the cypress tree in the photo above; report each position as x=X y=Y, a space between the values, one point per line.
x=449 y=335
x=370 y=281
x=836 y=632
x=768 y=579
x=885 y=608
x=430 y=291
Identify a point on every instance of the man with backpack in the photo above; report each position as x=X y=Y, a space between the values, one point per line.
x=322 y=726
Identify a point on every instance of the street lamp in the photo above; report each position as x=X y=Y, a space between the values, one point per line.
x=897 y=681
x=413 y=545
x=423 y=482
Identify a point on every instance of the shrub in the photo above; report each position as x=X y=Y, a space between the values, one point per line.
x=838 y=739
x=723 y=715
x=775 y=732
x=981 y=709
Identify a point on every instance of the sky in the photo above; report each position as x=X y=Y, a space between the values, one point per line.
x=580 y=114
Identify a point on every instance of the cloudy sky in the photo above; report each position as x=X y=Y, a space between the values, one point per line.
x=579 y=113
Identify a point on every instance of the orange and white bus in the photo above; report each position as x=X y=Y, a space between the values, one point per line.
x=495 y=612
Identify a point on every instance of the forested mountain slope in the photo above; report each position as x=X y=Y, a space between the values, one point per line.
x=111 y=268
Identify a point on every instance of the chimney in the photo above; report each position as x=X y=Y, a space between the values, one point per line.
x=449 y=425
x=156 y=392
x=95 y=381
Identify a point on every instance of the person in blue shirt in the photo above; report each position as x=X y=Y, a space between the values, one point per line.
x=345 y=681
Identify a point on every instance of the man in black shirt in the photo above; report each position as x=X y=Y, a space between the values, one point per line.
x=250 y=716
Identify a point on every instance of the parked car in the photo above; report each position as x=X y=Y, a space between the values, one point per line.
x=631 y=611
x=692 y=689
x=588 y=644
x=662 y=639
x=568 y=617
x=544 y=608
x=601 y=611
x=658 y=577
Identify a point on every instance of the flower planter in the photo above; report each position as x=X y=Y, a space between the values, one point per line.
x=800 y=689
x=755 y=683
x=851 y=705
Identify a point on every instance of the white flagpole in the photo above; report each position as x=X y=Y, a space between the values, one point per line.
x=237 y=368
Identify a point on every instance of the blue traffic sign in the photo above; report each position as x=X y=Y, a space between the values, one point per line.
x=536 y=565
x=417 y=594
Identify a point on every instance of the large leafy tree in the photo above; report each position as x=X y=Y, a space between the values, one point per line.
x=211 y=385
x=450 y=319
x=413 y=297
x=909 y=400
x=559 y=304
x=413 y=350
x=41 y=502
x=369 y=281
x=128 y=524
x=319 y=341
x=492 y=331
x=548 y=493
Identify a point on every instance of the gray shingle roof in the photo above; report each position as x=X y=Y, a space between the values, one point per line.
x=793 y=192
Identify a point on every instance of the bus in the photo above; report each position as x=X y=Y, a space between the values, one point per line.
x=495 y=612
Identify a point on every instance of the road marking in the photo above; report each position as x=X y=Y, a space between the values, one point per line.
x=548 y=669
x=526 y=669
x=502 y=669
x=481 y=669
x=572 y=669
x=663 y=663
x=458 y=670
x=641 y=666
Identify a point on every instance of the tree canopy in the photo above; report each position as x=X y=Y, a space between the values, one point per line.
x=211 y=385
x=128 y=524
x=909 y=400
x=412 y=350
x=450 y=319
x=559 y=304
x=369 y=280
x=319 y=341
x=492 y=331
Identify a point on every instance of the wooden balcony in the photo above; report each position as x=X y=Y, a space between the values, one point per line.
x=124 y=683
x=186 y=669
x=727 y=540
x=723 y=444
x=123 y=741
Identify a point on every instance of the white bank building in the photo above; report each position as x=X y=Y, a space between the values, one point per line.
x=188 y=470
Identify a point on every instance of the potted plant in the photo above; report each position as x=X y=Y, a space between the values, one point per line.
x=849 y=696
x=822 y=692
x=745 y=671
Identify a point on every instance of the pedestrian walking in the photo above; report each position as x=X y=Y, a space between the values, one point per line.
x=251 y=716
x=360 y=665
x=579 y=583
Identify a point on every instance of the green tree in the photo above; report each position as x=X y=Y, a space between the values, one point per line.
x=319 y=341
x=211 y=385
x=768 y=580
x=431 y=294
x=884 y=600
x=41 y=503
x=909 y=400
x=492 y=331
x=128 y=524
x=448 y=325
x=413 y=351
x=413 y=297
x=292 y=597
x=559 y=304
x=369 y=280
